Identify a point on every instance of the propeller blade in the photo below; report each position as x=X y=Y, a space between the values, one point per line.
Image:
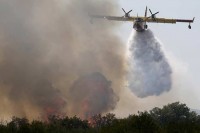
x=155 y=13
x=150 y=12
x=124 y=10
x=129 y=11
x=145 y=15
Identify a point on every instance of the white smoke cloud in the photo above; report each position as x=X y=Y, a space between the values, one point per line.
x=150 y=72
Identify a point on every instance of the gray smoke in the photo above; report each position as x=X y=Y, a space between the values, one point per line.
x=45 y=46
x=150 y=72
x=96 y=97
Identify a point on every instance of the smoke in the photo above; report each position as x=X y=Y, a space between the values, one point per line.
x=150 y=72
x=45 y=46
x=96 y=97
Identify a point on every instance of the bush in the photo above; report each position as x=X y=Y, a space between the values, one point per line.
x=172 y=118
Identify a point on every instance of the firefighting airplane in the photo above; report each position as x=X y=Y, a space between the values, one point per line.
x=140 y=23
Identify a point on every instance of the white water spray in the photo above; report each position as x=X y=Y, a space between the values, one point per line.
x=150 y=72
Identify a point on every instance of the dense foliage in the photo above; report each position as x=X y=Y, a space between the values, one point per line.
x=172 y=118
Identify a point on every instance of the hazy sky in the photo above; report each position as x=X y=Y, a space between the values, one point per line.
x=181 y=45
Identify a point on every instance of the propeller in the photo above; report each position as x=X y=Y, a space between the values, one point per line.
x=127 y=14
x=153 y=15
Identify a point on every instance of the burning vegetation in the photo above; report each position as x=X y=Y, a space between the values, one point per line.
x=92 y=94
x=175 y=117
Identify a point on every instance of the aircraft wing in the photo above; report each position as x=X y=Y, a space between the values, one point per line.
x=145 y=19
x=172 y=21
x=115 y=18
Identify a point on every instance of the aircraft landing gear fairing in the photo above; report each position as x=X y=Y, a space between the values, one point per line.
x=189 y=26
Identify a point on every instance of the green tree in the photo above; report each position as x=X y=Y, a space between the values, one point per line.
x=38 y=127
x=19 y=125
x=175 y=117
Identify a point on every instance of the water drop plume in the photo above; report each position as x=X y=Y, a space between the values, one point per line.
x=150 y=72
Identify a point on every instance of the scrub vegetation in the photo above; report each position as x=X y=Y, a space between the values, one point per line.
x=172 y=118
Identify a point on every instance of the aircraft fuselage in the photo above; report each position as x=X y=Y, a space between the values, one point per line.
x=139 y=25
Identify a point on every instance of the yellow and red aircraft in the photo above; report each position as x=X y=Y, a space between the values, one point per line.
x=140 y=23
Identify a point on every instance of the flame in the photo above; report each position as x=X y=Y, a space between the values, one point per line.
x=54 y=108
x=94 y=95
